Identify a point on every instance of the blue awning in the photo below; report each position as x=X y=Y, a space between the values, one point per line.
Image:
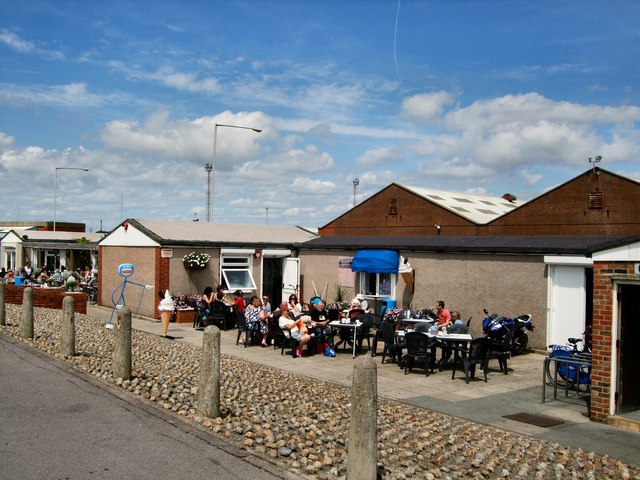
x=376 y=261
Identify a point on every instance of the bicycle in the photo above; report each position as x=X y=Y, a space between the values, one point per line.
x=572 y=367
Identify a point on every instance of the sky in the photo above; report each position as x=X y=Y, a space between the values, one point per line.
x=483 y=97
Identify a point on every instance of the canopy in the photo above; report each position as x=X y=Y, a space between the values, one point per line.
x=376 y=261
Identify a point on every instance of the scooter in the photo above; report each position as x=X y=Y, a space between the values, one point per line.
x=496 y=327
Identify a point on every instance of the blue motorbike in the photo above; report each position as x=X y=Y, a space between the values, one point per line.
x=496 y=327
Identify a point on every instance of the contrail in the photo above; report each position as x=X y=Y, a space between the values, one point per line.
x=395 y=37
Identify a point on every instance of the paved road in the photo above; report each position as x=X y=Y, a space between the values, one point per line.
x=56 y=423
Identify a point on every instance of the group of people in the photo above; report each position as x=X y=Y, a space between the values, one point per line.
x=26 y=275
x=449 y=321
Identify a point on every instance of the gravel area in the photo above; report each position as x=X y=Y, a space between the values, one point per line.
x=292 y=420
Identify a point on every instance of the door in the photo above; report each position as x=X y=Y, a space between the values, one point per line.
x=272 y=279
x=567 y=303
x=628 y=352
x=290 y=277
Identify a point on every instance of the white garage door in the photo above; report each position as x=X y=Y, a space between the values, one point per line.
x=567 y=303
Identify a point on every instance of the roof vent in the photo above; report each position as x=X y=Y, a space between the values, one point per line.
x=596 y=200
x=509 y=197
x=393 y=207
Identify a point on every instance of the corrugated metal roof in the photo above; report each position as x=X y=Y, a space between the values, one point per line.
x=44 y=236
x=479 y=209
x=541 y=245
x=182 y=231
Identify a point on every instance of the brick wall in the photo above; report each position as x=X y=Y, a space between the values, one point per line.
x=46 y=297
x=602 y=341
x=162 y=276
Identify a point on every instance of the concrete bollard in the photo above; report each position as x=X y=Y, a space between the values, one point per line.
x=209 y=388
x=26 y=322
x=122 y=346
x=3 y=313
x=68 y=328
x=362 y=453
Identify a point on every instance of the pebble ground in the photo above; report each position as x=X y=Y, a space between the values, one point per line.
x=303 y=424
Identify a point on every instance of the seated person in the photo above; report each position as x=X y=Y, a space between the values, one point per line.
x=364 y=305
x=458 y=325
x=294 y=306
x=444 y=317
x=297 y=328
x=320 y=320
x=257 y=319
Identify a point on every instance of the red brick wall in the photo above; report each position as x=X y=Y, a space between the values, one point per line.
x=564 y=210
x=162 y=276
x=602 y=341
x=46 y=297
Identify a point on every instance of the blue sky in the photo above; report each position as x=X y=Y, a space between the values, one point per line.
x=474 y=96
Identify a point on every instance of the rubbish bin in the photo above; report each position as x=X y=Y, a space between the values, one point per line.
x=387 y=304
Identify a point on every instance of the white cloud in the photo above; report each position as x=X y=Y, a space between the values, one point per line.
x=380 y=156
x=426 y=107
x=18 y=44
x=12 y=40
x=72 y=96
x=188 y=139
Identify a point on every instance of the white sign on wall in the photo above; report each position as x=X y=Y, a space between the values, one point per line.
x=166 y=253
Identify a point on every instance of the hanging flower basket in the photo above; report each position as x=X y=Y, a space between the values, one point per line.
x=195 y=261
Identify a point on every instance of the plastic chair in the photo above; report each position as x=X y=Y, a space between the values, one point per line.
x=363 y=332
x=419 y=349
x=200 y=317
x=390 y=346
x=501 y=349
x=478 y=354
x=218 y=315
x=241 y=323
x=286 y=340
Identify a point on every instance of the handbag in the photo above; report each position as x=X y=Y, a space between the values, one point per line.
x=329 y=352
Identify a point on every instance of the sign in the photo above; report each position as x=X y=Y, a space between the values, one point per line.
x=166 y=253
x=125 y=270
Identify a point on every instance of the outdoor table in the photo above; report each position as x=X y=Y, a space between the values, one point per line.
x=337 y=325
x=446 y=341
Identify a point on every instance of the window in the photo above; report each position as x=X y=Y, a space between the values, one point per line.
x=11 y=258
x=236 y=272
x=378 y=284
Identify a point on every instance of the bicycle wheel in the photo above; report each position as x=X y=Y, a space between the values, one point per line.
x=565 y=377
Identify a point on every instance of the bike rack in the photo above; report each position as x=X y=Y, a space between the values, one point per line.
x=576 y=361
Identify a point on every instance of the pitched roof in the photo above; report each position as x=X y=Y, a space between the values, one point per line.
x=528 y=245
x=479 y=209
x=183 y=231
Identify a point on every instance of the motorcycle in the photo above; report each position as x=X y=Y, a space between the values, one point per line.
x=496 y=327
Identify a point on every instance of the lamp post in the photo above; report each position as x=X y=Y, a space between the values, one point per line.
x=213 y=163
x=55 y=191
x=356 y=182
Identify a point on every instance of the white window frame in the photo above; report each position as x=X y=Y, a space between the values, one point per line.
x=364 y=276
x=233 y=263
x=10 y=253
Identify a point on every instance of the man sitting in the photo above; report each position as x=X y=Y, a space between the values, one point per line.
x=297 y=328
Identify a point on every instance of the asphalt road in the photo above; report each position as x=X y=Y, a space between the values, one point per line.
x=56 y=423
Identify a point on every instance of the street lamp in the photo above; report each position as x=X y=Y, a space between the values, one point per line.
x=356 y=182
x=213 y=164
x=55 y=191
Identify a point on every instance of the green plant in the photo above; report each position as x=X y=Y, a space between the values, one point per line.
x=340 y=294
